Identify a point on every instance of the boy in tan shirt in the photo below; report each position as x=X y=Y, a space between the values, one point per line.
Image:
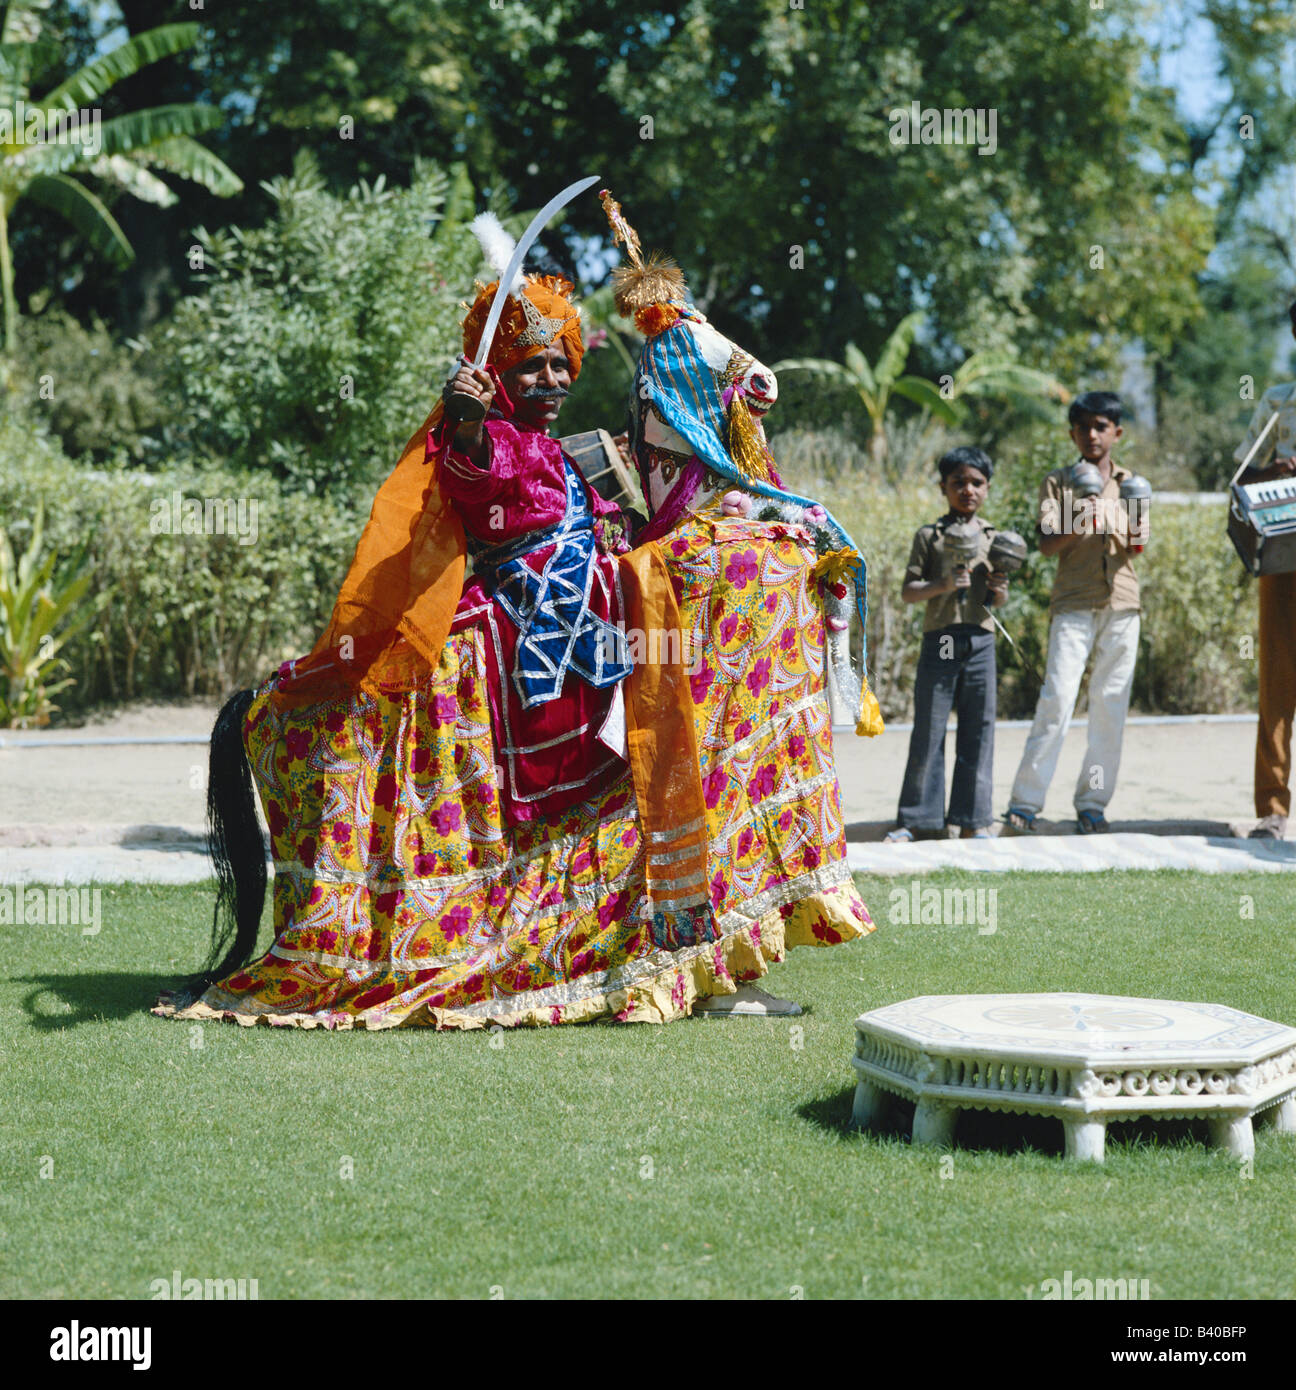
x=1094 y=609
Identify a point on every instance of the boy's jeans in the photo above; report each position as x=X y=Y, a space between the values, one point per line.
x=1072 y=636
x=956 y=669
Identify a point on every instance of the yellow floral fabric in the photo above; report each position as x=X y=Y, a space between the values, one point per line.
x=400 y=898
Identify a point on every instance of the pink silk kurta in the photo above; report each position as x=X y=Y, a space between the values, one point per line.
x=550 y=755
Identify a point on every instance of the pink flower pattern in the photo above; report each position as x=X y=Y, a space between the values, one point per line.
x=741 y=569
x=520 y=923
x=758 y=677
x=456 y=923
x=762 y=784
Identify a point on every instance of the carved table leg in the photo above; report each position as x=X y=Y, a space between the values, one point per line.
x=1284 y=1115
x=1086 y=1139
x=934 y=1122
x=1234 y=1134
x=870 y=1105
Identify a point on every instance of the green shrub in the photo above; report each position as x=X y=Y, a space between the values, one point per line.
x=1199 y=616
x=92 y=393
x=181 y=614
x=37 y=599
x=319 y=334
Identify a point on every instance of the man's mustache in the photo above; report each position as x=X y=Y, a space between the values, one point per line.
x=544 y=393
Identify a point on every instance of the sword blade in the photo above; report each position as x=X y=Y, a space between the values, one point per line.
x=525 y=243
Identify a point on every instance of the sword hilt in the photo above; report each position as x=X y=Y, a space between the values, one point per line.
x=466 y=409
x=460 y=405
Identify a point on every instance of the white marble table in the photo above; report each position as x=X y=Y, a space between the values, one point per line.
x=1084 y=1058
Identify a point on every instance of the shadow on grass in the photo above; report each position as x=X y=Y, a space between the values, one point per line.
x=93 y=997
x=989 y=1131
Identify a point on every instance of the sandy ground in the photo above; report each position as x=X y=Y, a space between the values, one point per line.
x=86 y=795
x=1185 y=777
x=133 y=811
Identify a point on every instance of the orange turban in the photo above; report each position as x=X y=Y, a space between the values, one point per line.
x=543 y=315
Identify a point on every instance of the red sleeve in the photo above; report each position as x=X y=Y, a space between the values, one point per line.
x=462 y=480
x=460 y=477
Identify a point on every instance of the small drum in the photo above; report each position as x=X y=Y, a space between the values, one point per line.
x=962 y=545
x=1084 y=479
x=603 y=468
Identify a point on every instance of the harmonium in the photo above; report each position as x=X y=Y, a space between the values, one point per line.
x=600 y=461
x=1262 y=525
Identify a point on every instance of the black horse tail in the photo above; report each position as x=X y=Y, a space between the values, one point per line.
x=235 y=842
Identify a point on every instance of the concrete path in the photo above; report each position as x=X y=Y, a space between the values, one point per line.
x=74 y=811
x=1077 y=854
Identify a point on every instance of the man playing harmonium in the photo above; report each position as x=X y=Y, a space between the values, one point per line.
x=1277 y=647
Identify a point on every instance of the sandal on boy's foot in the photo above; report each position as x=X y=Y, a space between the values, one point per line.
x=1021 y=822
x=899 y=836
x=980 y=832
x=1270 y=828
x=1091 y=823
x=748 y=1000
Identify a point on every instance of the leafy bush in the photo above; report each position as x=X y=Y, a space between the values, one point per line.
x=175 y=614
x=1198 y=604
x=320 y=334
x=1199 y=616
x=36 y=600
x=179 y=614
x=92 y=392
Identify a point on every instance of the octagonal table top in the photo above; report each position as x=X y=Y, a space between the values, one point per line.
x=1092 y=1029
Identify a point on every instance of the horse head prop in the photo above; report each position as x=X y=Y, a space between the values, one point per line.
x=697 y=410
x=694 y=384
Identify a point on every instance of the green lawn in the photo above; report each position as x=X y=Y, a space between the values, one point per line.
x=704 y=1159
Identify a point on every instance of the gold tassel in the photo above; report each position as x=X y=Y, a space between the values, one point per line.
x=641 y=284
x=659 y=281
x=870 y=720
x=745 y=448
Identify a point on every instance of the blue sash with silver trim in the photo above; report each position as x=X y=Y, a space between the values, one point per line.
x=557 y=632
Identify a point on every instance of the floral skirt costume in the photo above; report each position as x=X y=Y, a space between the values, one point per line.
x=401 y=896
x=478 y=832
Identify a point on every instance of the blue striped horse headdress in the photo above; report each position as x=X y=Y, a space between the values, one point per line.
x=709 y=398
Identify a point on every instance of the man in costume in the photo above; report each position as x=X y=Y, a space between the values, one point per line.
x=544 y=586
x=457 y=839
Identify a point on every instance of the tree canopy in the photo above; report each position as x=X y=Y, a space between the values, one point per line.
x=754 y=141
